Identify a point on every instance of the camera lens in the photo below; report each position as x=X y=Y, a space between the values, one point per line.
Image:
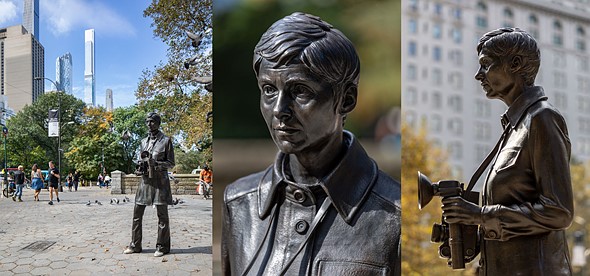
x=439 y=233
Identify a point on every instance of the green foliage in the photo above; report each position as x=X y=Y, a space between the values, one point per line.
x=189 y=160
x=169 y=88
x=28 y=142
x=129 y=126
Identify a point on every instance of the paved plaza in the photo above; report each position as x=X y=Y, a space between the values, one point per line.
x=73 y=238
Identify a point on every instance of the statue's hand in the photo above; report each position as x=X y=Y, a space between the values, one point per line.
x=458 y=210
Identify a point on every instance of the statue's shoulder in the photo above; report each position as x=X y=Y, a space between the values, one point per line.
x=388 y=189
x=244 y=186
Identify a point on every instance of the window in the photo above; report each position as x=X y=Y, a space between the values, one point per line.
x=482 y=108
x=583 y=64
x=508 y=18
x=481 y=21
x=560 y=79
x=557 y=33
x=436 y=53
x=437 y=31
x=457 y=13
x=482 y=131
x=583 y=84
x=411 y=96
x=410 y=118
x=455 y=150
x=411 y=72
x=438 y=8
x=481 y=6
x=436 y=76
x=435 y=123
x=414 y=5
x=481 y=17
x=412 y=48
x=455 y=126
x=534 y=26
x=456 y=80
x=580 y=39
x=559 y=60
x=456 y=103
x=457 y=36
x=436 y=100
x=413 y=26
x=456 y=57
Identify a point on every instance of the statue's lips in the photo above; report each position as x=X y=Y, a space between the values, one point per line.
x=284 y=130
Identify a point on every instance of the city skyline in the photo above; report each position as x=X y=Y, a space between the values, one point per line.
x=128 y=45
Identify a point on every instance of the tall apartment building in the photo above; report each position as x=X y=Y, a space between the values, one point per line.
x=89 y=81
x=109 y=100
x=31 y=17
x=63 y=73
x=21 y=61
x=440 y=60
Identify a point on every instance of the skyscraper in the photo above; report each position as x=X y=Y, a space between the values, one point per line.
x=89 y=82
x=109 y=100
x=63 y=73
x=31 y=17
x=21 y=62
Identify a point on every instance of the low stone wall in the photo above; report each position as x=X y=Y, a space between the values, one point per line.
x=185 y=184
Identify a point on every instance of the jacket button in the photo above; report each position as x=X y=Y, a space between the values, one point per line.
x=301 y=227
x=299 y=196
x=491 y=234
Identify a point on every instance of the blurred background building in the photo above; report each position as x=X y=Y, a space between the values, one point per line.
x=89 y=80
x=63 y=73
x=439 y=92
x=109 y=100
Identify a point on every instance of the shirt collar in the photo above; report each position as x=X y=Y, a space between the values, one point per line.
x=348 y=185
x=529 y=96
x=158 y=135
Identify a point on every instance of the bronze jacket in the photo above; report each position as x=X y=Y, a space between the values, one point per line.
x=527 y=195
x=156 y=190
x=269 y=214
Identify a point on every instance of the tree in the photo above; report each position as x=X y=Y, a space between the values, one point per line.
x=95 y=146
x=420 y=257
x=129 y=127
x=28 y=141
x=173 y=90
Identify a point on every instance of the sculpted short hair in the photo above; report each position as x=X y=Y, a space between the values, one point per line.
x=154 y=116
x=510 y=42
x=308 y=40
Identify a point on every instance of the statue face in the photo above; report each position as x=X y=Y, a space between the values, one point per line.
x=299 y=108
x=152 y=124
x=496 y=79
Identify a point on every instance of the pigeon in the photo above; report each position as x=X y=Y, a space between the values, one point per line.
x=175 y=201
x=196 y=38
x=98 y=202
x=126 y=199
x=88 y=203
x=114 y=201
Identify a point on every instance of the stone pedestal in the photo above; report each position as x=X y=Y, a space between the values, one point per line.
x=117 y=182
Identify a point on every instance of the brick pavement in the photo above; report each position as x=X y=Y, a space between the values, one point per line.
x=89 y=240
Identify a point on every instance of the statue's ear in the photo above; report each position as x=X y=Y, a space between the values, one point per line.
x=349 y=100
x=516 y=63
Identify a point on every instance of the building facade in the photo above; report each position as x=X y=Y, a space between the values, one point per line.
x=89 y=78
x=63 y=73
x=439 y=62
x=31 y=17
x=109 y=100
x=21 y=62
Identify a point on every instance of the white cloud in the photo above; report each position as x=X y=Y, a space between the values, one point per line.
x=64 y=15
x=7 y=11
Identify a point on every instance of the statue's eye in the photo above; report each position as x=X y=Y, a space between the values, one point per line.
x=302 y=92
x=269 y=91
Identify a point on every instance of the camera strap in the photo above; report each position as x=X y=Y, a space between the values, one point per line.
x=486 y=162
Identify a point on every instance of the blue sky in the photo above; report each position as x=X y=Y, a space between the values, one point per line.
x=124 y=42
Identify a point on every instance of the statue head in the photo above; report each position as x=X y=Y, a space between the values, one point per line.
x=508 y=43
x=308 y=74
x=153 y=121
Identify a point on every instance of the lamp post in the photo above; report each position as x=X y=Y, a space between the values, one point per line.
x=58 y=127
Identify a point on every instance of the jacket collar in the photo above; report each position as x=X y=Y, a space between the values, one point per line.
x=348 y=185
x=515 y=112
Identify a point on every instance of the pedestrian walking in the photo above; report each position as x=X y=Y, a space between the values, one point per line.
x=76 y=180
x=19 y=180
x=36 y=181
x=53 y=182
x=70 y=180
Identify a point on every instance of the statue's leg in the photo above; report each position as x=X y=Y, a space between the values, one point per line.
x=138 y=211
x=163 y=244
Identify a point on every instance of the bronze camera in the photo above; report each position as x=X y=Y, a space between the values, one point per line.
x=459 y=242
x=145 y=165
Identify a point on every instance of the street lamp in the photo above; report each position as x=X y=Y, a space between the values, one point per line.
x=58 y=126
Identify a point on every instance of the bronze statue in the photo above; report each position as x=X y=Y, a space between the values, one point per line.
x=155 y=158
x=527 y=200
x=323 y=207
